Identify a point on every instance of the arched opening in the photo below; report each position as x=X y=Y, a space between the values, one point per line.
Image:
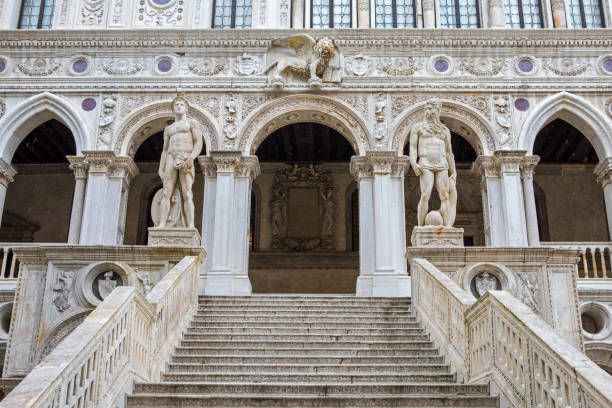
x=570 y=202
x=469 y=196
x=301 y=221
x=146 y=184
x=38 y=202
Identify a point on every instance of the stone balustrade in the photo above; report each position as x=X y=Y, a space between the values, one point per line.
x=499 y=339
x=127 y=336
x=596 y=258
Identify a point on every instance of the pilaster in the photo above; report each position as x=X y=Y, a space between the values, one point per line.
x=225 y=230
x=603 y=171
x=7 y=174
x=382 y=237
x=108 y=183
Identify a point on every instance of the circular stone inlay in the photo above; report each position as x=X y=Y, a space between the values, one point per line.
x=161 y=2
x=79 y=66
x=2 y=65
x=441 y=65
x=607 y=65
x=164 y=65
x=105 y=282
x=525 y=65
x=88 y=104
x=483 y=282
x=521 y=104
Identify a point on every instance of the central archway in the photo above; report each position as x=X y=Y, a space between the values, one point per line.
x=303 y=211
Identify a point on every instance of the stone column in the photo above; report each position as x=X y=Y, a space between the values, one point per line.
x=497 y=18
x=105 y=197
x=80 y=167
x=7 y=172
x=381 y=209
x=603 y=171
x=490 y=185
x=225 y=222
x=558 y=13
x=429 y=14
x=527 y=168
x=512 y=197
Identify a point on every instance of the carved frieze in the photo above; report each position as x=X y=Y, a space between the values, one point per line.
x=566 y=66
x=122 y=66
x=92 y=12
x=205 y=66
x=38 y=67
x=399 y=66
x=607 y=107
x=483 y=66
x=357 y=102
x=358 y=65
x=170 y=14
x=229 y=129
x=403 y=102
x=2 y=108
x=246 y=64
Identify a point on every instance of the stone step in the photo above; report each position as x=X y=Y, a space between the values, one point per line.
x=315 y=318
x=301 y=297
x=327 y=388
x=292 y=331
x=299 y=302
x=308 y=378
x=291 y=324
x=288 y=359
x=356 y=401
x=396 y=345
x=351 y=312
x=342 y=369
x=420 y=351
x=305 y=308
x=305 y=337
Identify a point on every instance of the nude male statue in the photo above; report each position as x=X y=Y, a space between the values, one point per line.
x=430 y=144
x=182 y=144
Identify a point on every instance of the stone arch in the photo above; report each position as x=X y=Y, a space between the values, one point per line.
x=460 y=118
x=34 y=111
x=59 y=332
x=601 y=354
x=303 y=108
x=153 y=118
x=577 y=112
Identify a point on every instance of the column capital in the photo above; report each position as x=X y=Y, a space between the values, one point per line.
x=107 y=162
x=509 y=160
x=79 y=166
x=379 y=162
x=528 y=165
x=7 y=173
x=603 y=171
x=228 y=161
x=487 y=167
x=248 y=166
x=360 y=167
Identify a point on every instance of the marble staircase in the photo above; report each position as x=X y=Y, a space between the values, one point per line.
x=307 y=351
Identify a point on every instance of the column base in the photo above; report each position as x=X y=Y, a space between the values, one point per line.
x=384 y=284
x=437 y=236
x=174 y=237
x=225 y=284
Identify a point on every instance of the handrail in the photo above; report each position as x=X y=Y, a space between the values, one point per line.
x=118 y=341
x=500 y=339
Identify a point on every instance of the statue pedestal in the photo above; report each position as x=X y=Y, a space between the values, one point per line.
x=173 y=237
x=437 y=236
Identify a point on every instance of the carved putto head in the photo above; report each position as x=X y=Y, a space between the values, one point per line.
x=180 y=97
x=324 y=48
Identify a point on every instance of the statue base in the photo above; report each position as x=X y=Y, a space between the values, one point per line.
x=437 y=236
x=173 y=237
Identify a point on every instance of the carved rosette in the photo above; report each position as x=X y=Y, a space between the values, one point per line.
x=7 y=173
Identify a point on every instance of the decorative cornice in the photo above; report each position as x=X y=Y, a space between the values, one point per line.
x=79 y=166
x=7 y=173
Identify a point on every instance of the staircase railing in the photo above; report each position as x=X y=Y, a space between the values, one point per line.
x=595 y=258
x=127 y=336
x=498 y=338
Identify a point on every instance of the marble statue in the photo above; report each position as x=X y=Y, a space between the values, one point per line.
x=328 y=213
x=182 y=144
x=432 y=160
x=318 y=61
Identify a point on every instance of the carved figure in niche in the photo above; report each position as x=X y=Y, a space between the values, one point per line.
x=317 y=61
x=328 y=213
x=277 y=214
x=62 y=287
x=432 y=160
x=145 y=280
x=182 y=144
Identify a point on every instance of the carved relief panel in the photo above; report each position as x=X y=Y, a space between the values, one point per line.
x=302 y=209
